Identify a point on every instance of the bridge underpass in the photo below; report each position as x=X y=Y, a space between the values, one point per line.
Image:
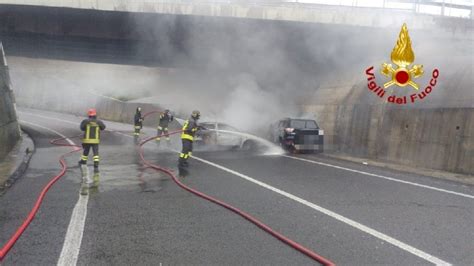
x=206 y=59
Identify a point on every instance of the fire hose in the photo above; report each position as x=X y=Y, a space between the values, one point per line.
x=14 y=238
x=31 y=215
x=306 y=251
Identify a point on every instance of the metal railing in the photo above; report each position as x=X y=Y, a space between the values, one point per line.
x=450 y=8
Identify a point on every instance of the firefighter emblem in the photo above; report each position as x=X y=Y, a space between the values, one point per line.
x=402 y=56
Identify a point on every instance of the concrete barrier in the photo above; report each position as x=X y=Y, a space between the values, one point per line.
x=435 y=138
x=107 y=108
x=437 y=133
x=431 y=138
x=9 y=129
x=119 y=111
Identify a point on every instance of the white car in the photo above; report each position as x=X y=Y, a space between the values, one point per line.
x=222 y=136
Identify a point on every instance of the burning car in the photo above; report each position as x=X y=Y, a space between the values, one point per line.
x=298 y=135
x=218 y=135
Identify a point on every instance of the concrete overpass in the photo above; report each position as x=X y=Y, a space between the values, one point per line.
x=270 y=10
x=317 y=55
x=250 y=70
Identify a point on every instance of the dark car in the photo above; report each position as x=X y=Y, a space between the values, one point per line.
x=298 y=135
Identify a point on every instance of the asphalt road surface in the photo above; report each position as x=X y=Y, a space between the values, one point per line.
x=349 y=213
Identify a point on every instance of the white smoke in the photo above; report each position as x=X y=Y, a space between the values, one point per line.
x=250 y=108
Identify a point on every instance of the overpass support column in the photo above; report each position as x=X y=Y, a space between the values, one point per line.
x=9 y=127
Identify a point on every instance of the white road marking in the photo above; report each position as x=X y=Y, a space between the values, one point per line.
x=50 y=118
x=75 y=230
x=50 y=130
x=72 y=123
x=383 y=177
x=336 y=216
x=330 y=213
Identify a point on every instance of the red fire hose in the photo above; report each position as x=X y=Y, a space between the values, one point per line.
x=14 y=238
x=245 y=215
x=11 y=242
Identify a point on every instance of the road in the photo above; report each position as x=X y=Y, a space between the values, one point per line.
x=349 y=213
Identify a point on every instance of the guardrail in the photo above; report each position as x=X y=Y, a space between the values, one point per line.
x=446 y=8
x=456 y=8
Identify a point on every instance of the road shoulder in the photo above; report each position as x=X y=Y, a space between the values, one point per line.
x=461 y=178
x=16 y=162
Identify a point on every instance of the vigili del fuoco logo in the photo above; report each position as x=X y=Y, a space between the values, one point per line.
x=402 y=75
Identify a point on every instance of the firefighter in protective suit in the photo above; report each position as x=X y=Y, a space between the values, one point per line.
x=138 y=121
x=190 y=127
x=91 y=127
x=165 y=119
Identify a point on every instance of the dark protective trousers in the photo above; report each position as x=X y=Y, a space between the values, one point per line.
x=138 y=127
x=162 y=132
x=85 y=154
x=185 y=152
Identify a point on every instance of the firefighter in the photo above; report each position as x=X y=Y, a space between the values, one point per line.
x=190 y=127
x=138 y=121
x=91 y=127
x=165 y=119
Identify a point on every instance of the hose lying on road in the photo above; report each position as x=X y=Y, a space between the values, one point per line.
x=245 y=215
x=14 y=238
x=11 y=242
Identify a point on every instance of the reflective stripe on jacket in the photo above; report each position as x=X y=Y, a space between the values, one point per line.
x=189 y=129
x=92 y=128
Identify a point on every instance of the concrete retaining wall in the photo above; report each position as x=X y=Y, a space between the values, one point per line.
x=9 y=129
x=433 y=138
x=107 y=108
x=354 y=124
x=436 y=133
x=441 y=138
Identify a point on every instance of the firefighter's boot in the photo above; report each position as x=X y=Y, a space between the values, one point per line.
x=182 y=163
x=95 y=180
x=84 y=189
x=183 y=172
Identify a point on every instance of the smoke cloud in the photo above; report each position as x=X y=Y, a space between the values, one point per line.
x=248 y=73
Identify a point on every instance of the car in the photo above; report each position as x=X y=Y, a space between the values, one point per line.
x=217 y=135
x=298 y=135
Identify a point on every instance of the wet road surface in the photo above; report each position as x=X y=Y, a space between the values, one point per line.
x=140 y=216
